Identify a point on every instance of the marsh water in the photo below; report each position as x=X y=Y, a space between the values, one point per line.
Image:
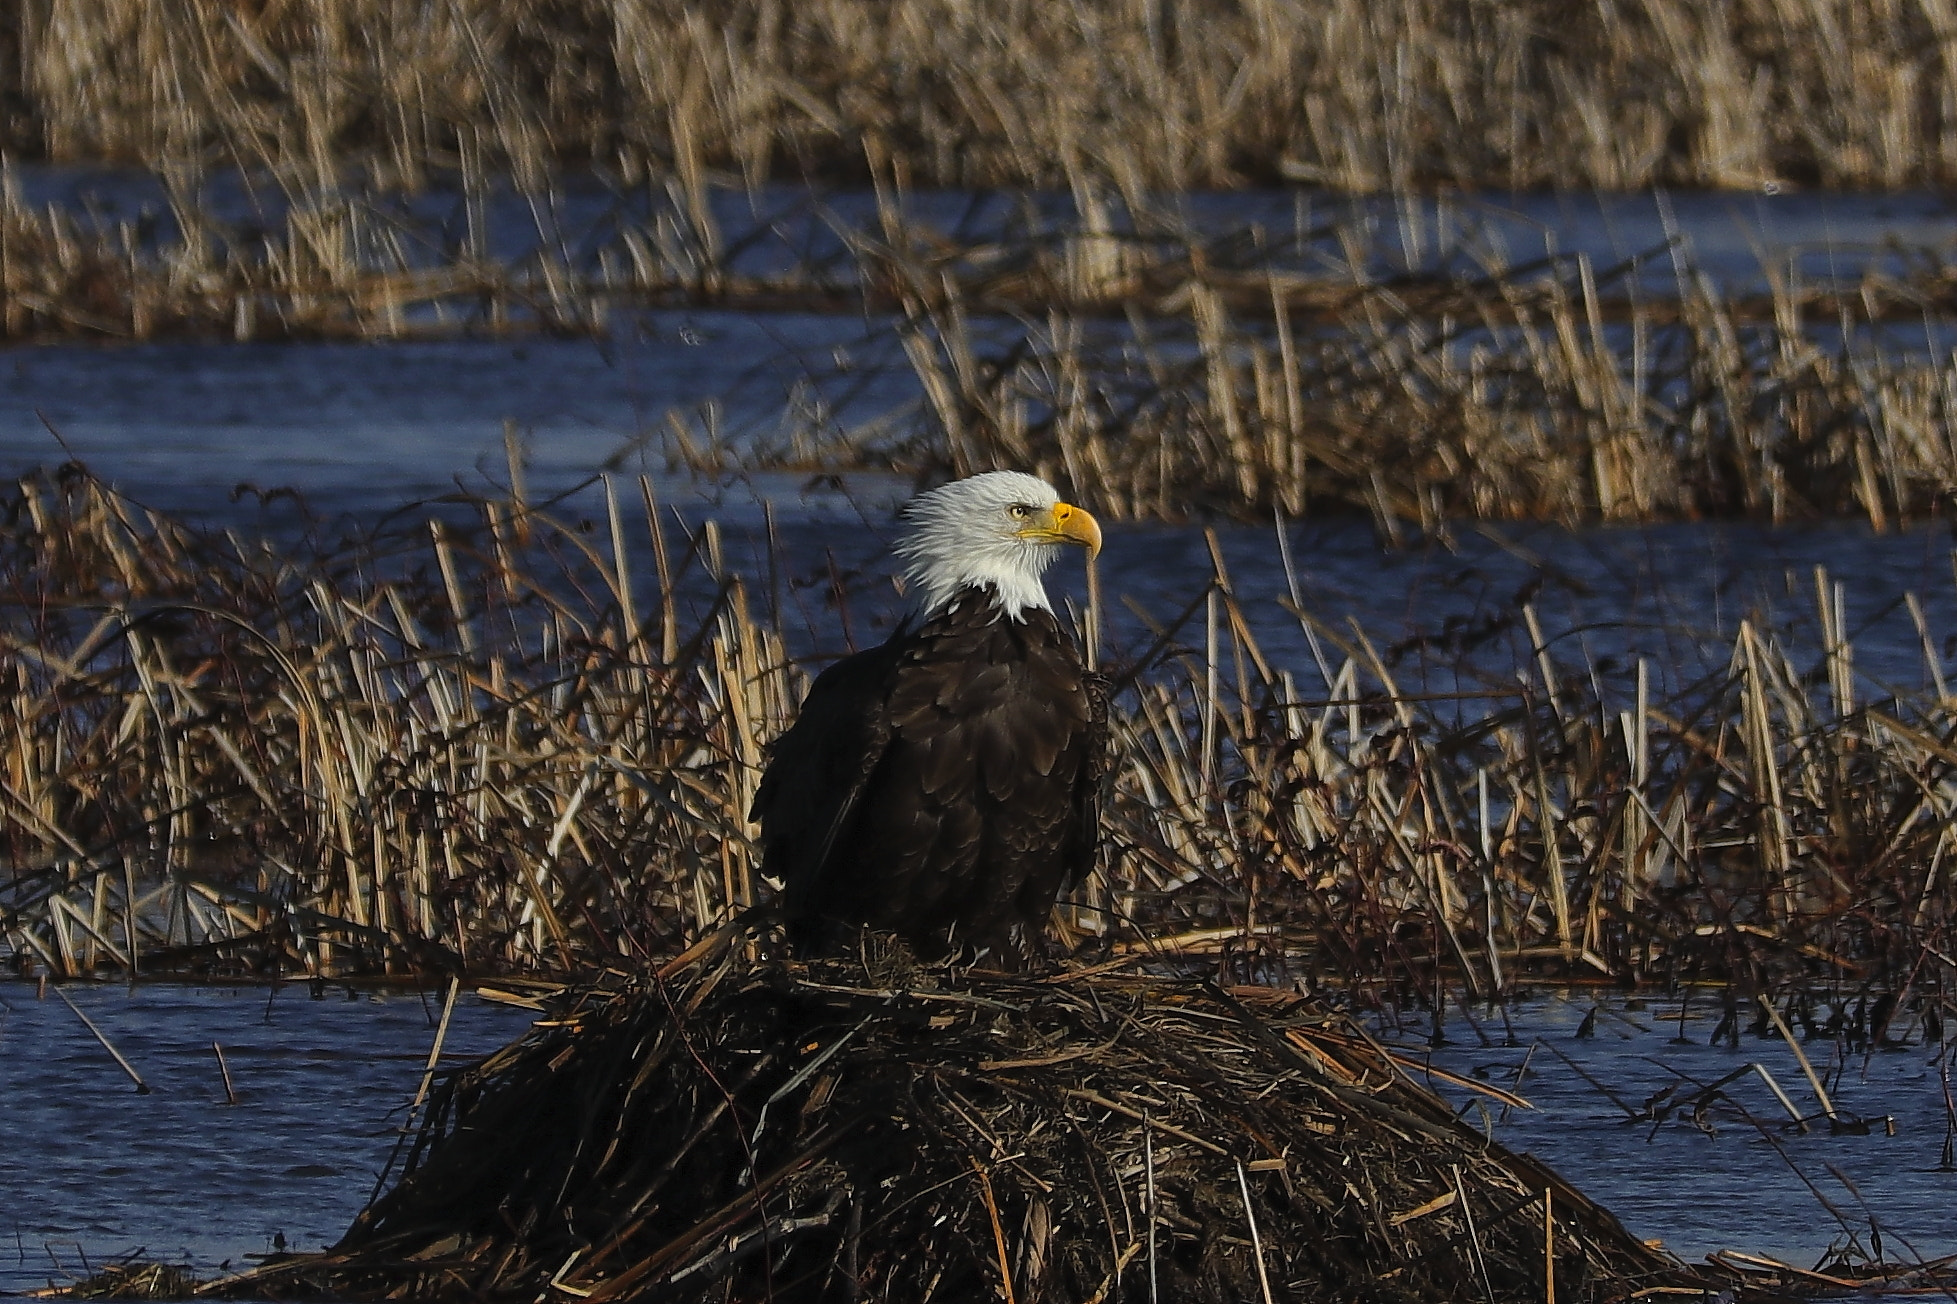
x=1740 y=1174
x=89 y=1169
x=1742 y=241
x=92 y=1170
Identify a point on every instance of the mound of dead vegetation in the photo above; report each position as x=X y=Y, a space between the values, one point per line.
x=850 y=1130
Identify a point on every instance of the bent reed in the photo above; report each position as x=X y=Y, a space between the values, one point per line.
x=496 y=748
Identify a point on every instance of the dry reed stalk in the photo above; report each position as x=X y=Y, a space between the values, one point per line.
x=142 y=1087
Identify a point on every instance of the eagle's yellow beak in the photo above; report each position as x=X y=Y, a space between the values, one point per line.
x=1067 y=524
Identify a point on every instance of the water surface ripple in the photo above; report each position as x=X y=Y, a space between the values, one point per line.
x=1743 y=1180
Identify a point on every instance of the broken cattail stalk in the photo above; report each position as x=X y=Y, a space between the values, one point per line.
x=142 y=1087
x=435 y=1051
x=224 y=1071
x=1800 y=1056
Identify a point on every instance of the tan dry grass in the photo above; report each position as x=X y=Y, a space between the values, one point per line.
x=1164 y=95
x=222 y=757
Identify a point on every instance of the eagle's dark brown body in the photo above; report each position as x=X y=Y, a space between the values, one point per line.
x=944 y=787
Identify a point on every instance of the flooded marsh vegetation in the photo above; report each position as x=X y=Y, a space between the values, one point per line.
x=1403 y=361
x=564 y=171
x=1566 y=391
x=521 y=743
x=511 y=735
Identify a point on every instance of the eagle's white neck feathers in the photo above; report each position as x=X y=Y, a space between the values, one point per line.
x=966 y=535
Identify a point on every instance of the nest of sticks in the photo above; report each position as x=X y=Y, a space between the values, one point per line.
x=865 y=1129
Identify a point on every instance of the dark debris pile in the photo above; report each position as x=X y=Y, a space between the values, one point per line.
x=758 y=1130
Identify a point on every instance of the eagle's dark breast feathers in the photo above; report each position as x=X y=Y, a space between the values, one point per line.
x=944 y=786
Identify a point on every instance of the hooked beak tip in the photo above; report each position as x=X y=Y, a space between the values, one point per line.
x=1076 y=525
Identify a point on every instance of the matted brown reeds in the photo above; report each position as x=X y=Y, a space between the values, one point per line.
x=870 y=1130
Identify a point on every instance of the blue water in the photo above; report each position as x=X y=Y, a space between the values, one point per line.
x=91 y=1170
x=1751 y=1182
x=362 y=428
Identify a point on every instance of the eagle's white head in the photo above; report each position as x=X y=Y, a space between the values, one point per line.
x=999 y=530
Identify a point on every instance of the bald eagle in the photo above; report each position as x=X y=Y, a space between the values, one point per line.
x=945 y=786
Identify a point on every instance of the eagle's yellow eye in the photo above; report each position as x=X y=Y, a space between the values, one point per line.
x=1020 y=511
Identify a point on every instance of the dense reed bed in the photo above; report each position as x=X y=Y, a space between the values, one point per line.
x=1562 y=392
x=227 y=758
x=501 y=749
x=1164 y=95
